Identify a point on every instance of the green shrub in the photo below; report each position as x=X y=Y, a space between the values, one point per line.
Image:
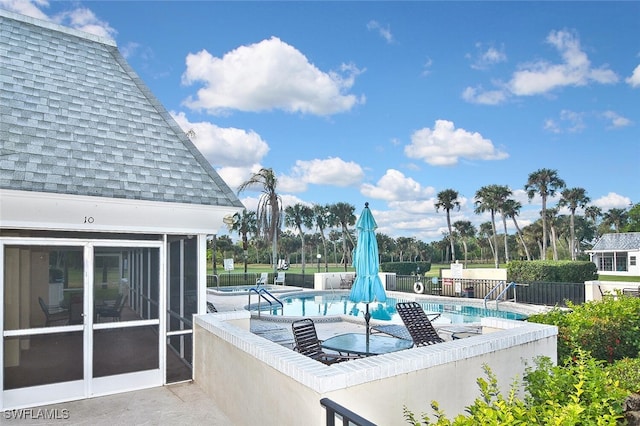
x=579 y=393
x=565 y=271
x=405 y=268
x=627 y=372
x=608 y=329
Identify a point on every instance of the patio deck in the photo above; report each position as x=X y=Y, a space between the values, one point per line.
x=183 y=403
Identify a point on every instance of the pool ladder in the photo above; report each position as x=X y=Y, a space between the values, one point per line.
x=263 y=293
x=502 y=293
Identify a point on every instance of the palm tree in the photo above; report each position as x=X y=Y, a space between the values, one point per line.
x=616 y=218
x=448 y=200
x=465 y=230
x=269 y=211
x=297 y=216
x=341 y=214
x=502 y=194
x=485 y=232
x=511 y=208
x=552 y=220
x=321 y=220
x=544 y=182
x=244 y=224
x=488 y=198
x=573 y=198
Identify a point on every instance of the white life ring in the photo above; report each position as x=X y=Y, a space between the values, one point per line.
x=418 y=287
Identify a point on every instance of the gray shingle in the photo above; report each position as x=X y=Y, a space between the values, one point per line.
x=80 y=121
x=618 y=242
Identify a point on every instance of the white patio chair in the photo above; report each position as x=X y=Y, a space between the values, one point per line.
x=279 y=279
x=262 y=280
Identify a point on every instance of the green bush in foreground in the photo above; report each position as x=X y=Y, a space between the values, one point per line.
x=581 y=392
x=609 y=329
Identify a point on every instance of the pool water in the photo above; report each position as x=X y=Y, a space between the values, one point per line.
x=331 y=304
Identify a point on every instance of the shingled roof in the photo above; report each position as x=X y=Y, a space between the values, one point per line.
x=76 y=119
x=625 y=241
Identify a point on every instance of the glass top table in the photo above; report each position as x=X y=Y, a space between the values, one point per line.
x=356 y=343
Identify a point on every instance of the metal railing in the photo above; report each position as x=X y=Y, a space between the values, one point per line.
x=264 y=294
x=502 y=294
x=538 y=293
x=348 y=417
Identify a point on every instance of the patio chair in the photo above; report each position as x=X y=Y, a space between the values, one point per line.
x=211 y=308
x=53 y=314
x=346 y=281
x=418 y=324
x=307 y=343
x=279 y=279
x=262 y=280
x=112 y=311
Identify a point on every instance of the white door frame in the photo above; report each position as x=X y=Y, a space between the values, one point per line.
x=89 y=386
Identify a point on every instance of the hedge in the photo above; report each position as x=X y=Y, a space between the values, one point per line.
x=551 y=271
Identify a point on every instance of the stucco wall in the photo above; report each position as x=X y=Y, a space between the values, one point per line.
x=252 y=378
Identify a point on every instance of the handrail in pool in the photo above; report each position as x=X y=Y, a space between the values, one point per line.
x=502 y=293
x=261 y=295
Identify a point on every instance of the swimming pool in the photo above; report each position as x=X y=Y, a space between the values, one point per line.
x=322 y=304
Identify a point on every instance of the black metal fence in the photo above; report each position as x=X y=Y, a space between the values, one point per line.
x=539 y=293
x=238 y=279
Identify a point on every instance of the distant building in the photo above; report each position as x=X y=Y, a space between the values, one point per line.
x=617 y=254
x=105 y=211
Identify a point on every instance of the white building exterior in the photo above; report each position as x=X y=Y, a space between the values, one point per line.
x=105 y=210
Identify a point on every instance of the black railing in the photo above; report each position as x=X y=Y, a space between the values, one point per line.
x=348 y=417
x=551 y=293
x=538 y=293
x=226 y=279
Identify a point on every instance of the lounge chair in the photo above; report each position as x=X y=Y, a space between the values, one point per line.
x=307 y=343
x=262 y=280
x=53 y=314
x=418 y=324
x=211 y=308
x=279 y=279
x=633 y=292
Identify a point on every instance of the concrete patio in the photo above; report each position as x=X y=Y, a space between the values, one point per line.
x=183 y=403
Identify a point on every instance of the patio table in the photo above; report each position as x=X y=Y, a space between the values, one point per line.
x=356 y=344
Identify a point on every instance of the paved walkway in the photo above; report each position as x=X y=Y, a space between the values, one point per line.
x=179 y=404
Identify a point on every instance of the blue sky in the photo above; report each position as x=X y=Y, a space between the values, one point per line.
x=391 y=102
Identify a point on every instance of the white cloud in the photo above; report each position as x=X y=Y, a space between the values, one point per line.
x=224 y=147
x=444 y=145
x=487 y=56
x=485 y=97
x=634 y=79
x=268 y=75
x=570 y=122
x=575 y=70
x=26 y=7
x=236 y=176
x=395 y=186
x=617 y=121
x=384 y=32
x=612 y=201
x=541 y=77
x=80 y=18
x=426 y=67
x=331 y=171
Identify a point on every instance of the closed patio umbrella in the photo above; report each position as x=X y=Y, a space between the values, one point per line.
x=367 y=287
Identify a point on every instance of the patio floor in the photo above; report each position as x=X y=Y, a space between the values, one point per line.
x=183 y=403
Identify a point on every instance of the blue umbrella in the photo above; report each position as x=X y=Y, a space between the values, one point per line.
x=367 y=287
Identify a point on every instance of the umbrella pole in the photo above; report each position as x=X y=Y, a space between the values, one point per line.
x=367 y=317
